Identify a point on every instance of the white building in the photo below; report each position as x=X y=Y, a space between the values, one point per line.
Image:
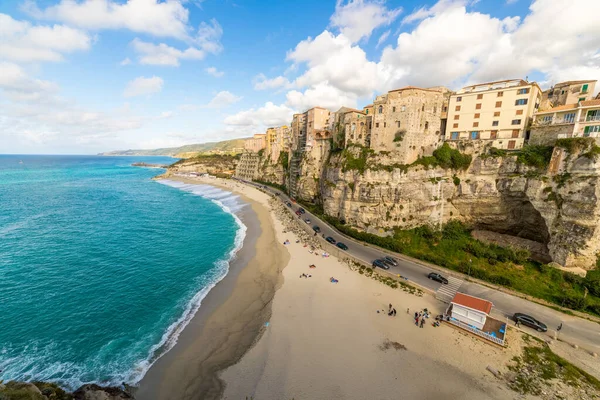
x=471 y=310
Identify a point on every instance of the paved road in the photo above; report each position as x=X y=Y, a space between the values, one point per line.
x=575 y=330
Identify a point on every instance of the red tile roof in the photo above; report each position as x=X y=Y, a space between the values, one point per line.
x=474 y=303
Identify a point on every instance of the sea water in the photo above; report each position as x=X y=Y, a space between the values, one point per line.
x=101 y=267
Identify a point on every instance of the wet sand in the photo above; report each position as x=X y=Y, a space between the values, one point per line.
x=230 y=319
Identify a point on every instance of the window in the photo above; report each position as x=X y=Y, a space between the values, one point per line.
x=581 y=99
x=562 y=92
x=523 y=91
x=500 y=94
x=493 y=134
x=393 y=109
x=444 y=109
x=367 y=111
x=516 y=122
x=593 y=115
x=584 y=88
x=423 y=107
x=398 y=124
x=474 y=135
x=496 y=113
x=384 y=124
x=494 y=123
x=498 y=104
x=475 y=124
x=519 y=112
x=569 y=118
x=376 y=124
x=380 y=109
x=479 y=96
x=547 y=119
x=457 y=108
x=520 y=102
x=454 y=126
x=426 y=125
x=477 y=115
x=478 y=106
x=591 y=129
x=457 y=116
x=511 y=144
x=515 y=133
x=459 y=99
x=454 y=135
x=403 y=108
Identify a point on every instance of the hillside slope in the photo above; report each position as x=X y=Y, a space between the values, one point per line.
x=184 y=151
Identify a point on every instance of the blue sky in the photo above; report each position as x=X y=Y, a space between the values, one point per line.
x=84 y=76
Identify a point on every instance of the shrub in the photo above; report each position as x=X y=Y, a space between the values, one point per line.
x=535 y=156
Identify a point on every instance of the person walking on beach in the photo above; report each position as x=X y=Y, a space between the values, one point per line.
x=422 y=322
x=408 y=310
x=417 y=320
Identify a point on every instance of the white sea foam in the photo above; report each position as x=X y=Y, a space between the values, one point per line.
x=231 y=204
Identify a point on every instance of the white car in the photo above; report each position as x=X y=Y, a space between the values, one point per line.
x=307 y=221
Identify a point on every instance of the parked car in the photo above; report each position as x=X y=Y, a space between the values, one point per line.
x=298 y=213
x=379 y=263
x=386 y=262
x=302 y=210
x=330 y=239
x=288 y=204
x=529 y=321
x=307 y=221
x=316 y=229
x=392 y=260
x=437 y=277
x=342 y=246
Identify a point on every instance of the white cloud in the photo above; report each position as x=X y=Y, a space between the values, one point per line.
x=18 y=86
x=209 y=36
x=155 y=17
x=143 y=86
x=223 y=99
x=214 y=72
x=126 y=61
x=438 y=8
x=383 y=38
x=21 y=41
x=322 y=95
x=261 y=82
x=268 y=115
x=357 y=19
x=162 y=54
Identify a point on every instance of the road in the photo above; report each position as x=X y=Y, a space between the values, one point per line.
x=575 y=330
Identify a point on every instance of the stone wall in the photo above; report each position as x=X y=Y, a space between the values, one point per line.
x=546 y=135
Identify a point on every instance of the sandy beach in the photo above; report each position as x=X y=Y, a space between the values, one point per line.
x=230 y=318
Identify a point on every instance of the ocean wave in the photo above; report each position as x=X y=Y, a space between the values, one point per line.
x=171 y=335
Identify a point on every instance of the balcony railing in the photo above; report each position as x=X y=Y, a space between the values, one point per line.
x=476 y=331
x=591 y=118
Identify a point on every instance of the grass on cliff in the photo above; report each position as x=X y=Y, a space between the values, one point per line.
x=208 y=158
x=535 y=156
x=454 y=248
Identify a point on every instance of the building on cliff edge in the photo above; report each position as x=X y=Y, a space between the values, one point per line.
x=565 y=93
x=255 y=143
x=247 y=167
x=495 y=112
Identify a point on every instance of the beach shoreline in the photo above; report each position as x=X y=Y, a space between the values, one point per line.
x=231 y=317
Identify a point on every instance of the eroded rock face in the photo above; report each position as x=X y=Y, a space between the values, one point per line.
x=559 y=209
x=95 y=392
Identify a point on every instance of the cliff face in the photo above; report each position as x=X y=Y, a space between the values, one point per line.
x=555 y=214
x=212 y=164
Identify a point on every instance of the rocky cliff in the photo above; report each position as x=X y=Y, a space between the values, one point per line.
x=553 y=208
x=210 y=164
x=49 y=391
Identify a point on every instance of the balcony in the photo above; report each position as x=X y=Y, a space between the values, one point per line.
x=590 y=118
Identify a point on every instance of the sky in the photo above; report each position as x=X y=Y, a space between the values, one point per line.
x=86 y=76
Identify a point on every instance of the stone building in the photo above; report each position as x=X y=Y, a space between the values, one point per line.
x=247 y=168
x=566 y=121
x=495 y=112
x=317 y=119
x=406 y=122
x=255 y=143
x=565 y=93
x=356 y=128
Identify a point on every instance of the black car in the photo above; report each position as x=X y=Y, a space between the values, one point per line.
x=316 y=229
x=342 y=246
x=387 y=262
x=288 y=204
x=379 y=263
x=529 y=321
x=302 y=210
x=437 y=277
x=330 y=239
x=391 y=260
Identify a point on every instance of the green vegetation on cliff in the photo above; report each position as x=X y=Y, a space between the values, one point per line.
x=225 y=146
x=535 y=156
x=208 y=158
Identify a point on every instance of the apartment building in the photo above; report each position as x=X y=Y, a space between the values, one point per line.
x=255 y=143
x=565 y=93
x=407 y=121
x=572 y=120
x=277 y=141
x=317 y=119
x=498 y=112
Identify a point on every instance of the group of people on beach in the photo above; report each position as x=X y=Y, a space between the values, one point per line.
x=420 y=317
x=391 y=311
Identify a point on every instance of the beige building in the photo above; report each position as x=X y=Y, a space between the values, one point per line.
x=356 y=128
x=565 y=93
x=277 y=141
x=566 y=121
x=317 y=119
x=498 y=112
x=407 y=122
x=255 y=143
x=247 y=168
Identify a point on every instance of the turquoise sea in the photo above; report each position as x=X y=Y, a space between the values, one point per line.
x=101 y=267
